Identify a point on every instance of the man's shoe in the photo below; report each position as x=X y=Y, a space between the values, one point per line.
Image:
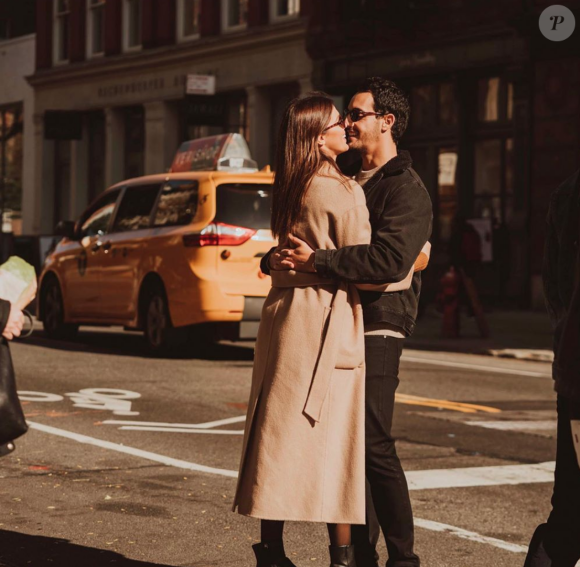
x=271 y=554
x=342 y=556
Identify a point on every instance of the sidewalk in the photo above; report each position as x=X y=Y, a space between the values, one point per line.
x=525 y=335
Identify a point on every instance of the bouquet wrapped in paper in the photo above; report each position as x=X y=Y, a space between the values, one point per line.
x=17 y=282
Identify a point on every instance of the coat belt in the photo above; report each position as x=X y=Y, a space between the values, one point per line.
x=330 y=345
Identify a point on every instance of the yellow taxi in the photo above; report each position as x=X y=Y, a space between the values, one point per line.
x=168 y=253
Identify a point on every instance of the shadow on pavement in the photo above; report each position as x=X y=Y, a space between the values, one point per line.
x=24 y=550
x=132 y=344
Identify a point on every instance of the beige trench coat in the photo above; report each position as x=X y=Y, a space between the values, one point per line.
x=303 y=452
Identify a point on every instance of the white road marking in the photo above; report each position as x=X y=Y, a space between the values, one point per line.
x=418 y=480
x=516 y=425
x=472 y=536
x=131 y=450
x=43 y=397
x=183 y=430
x=207 y=425
x=495 y=369
x=110 y=399
x=480 y=476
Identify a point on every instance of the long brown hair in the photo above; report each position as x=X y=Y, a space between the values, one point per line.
x=298 y=158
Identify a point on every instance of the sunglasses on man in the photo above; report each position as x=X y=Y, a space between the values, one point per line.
x=357 y=114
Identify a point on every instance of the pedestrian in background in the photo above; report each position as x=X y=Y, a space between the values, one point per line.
x=303 y=457
x=557 y=542
x=12 y=422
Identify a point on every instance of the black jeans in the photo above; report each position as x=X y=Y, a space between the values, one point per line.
x=388 y=503
x=556 y=543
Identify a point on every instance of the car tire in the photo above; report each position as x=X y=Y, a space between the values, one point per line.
x=159 y=332
x=53 y=316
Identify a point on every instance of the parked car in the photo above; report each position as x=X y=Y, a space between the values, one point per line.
x=167 y=253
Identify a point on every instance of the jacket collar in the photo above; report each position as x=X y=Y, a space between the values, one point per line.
x=401 y=162
x=395 y=166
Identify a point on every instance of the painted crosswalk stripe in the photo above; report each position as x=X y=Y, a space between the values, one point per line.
x=481 y=476
x=471 y=536
x=182 y=430
x=481 y=367
x=418 y=480
x=516 y=425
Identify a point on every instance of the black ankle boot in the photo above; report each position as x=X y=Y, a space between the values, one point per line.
x=271 y=554
x=342 y=556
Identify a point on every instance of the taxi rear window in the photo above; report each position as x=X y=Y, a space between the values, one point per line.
x=177 y=203
x=244 y=204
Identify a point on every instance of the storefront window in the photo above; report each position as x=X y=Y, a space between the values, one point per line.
x=134 y=141
x=11 y=160
x=62 y=169
x=433 y=106
x=447 y=202
x=423 y=107
x=494 y=180
x=61 y=31
x=284 y=8
x=96 y=27
x=234 y=14
x=96 y=135
x=447 y=105
x=488 y=99
x=494 y=100
x=189 y=13
x=218 y=114
x=132 y=24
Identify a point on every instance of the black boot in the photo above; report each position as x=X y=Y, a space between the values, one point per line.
x=342 y=556
x=271 y=554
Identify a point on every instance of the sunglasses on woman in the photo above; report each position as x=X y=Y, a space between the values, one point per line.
x=339 y=123
x=357 y=114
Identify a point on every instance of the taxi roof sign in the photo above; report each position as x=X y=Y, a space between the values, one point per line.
x=225 y=152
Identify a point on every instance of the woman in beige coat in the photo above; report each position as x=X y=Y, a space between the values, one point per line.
x=303 y=451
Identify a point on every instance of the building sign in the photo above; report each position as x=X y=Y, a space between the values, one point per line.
x=200 y=85
x=144 y=86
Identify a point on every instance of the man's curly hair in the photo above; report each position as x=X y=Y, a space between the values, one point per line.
x=389 y=99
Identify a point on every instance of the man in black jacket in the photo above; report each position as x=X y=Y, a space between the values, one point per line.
x=556 y=543
x=401 y=218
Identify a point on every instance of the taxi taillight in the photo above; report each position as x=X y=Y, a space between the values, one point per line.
x=219 y=234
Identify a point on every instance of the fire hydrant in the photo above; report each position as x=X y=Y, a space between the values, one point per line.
x=449 y=285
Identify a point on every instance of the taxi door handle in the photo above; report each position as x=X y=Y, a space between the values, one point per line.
x=106 y=246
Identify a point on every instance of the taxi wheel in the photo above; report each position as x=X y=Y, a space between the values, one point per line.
x=157 y=323
x=53 y=320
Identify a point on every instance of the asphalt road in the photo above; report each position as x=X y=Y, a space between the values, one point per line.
x=131 y=460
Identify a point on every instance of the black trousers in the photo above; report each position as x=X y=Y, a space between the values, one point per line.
x=388 y=503
x=557 y=542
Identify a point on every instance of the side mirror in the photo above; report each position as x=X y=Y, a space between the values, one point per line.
x=66 y=229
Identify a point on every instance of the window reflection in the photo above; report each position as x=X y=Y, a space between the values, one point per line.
x=447 y=105
x=177 y=204
x=423 y=107
x=488 y=99
x=447 y=191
